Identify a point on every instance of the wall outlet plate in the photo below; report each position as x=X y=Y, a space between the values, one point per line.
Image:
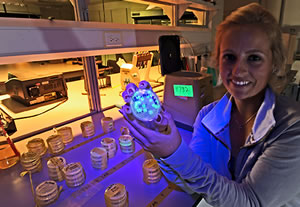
x=113 y=39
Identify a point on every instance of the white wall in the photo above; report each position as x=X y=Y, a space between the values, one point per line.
x=273 y=6
x=291 y=12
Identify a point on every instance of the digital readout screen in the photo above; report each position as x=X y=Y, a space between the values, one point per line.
x=183 y=90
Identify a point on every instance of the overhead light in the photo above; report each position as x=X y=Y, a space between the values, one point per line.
x=150 y=7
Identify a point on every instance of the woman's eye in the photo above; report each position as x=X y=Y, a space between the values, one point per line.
x=254 y=58
x=229 y=57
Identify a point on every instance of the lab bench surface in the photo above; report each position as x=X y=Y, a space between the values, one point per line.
x=123 y=168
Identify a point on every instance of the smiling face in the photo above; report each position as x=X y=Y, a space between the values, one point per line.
x=245 y=61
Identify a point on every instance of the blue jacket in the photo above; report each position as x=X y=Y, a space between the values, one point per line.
x=267 y=169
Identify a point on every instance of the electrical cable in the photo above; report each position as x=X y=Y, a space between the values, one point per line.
x=190 y=46
x=26 y=117
x=159 y=71
x=189 y=43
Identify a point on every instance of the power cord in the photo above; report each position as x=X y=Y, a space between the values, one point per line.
x=193 y=52
x=26 y=117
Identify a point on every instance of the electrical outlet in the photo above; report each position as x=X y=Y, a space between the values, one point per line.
x=113 y=39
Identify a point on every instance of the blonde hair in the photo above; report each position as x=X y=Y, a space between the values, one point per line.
x=254 y=14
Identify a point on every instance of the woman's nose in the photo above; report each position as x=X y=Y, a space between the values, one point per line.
x=239 y=68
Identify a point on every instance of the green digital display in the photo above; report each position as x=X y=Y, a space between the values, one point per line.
x=183 y=90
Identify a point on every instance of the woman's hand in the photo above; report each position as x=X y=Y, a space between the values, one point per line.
x=159 y=136
x=159 y=143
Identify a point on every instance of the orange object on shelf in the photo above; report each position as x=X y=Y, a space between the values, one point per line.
x=9 y=155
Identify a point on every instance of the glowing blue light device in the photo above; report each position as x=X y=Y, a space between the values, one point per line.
x=145 y=105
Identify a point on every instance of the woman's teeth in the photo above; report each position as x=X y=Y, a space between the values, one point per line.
x=240 y=83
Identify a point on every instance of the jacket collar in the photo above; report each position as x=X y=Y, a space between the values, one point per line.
x=219 y=117
x=264 y=120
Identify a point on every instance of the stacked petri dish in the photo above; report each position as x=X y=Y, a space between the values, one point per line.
x=55 y=144
x=116 y=196
x=66 y=134
x=31 y=161
x=74 y=174
x=99 y=158
x=107 y=124
x=55 y=167
x=37 y=145
x=151 y=171
x=46 y=193
x=124 y=131
x=87 y=128
x=110 y=145
x=127 y=144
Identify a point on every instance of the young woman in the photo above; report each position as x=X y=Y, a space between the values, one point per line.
x=245 y=149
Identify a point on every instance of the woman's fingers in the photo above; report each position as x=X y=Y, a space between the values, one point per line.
x=144 y=85
x=162 y=144
x=159 y=136
x=140 y=137
x=126 y=97
x=131 y=88
x=170 y=119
